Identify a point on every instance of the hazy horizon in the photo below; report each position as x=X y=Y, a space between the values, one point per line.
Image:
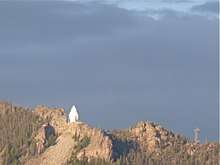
x=118 y=61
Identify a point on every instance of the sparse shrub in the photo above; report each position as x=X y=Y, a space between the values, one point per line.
x=76 y=137
x=32 y=148
x=84 y=142
x=11 y=155
x=50 y=141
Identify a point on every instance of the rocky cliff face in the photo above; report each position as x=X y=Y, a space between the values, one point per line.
x=99 y=145
x=56 y=117
x=43 y=135
x=151 y=136
x=107 y=145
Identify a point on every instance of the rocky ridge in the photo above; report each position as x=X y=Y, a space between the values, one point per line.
x=79 y=140
x=107 y=145
x=99 y=145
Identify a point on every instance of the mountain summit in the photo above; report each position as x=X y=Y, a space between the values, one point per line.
x=43 y=136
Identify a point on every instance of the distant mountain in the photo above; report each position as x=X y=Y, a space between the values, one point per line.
x=42 y=136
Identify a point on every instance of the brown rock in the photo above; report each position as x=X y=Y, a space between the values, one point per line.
x=43 y=134
x=151 y=136
x=100 y=145
x=56 y=117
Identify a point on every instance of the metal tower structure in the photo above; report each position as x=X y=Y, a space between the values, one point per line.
x=196 y=135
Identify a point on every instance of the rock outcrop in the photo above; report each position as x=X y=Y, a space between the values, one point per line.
x=151 y=136
x=57 y=154
x=77 y=141
x=56 y=117
x=69 y=138
x=43 y=135
x=100 y=145
x=146 y=136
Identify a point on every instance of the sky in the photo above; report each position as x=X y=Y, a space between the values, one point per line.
x=118 y=61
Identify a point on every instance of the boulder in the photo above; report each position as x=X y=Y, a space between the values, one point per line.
x=44 y=133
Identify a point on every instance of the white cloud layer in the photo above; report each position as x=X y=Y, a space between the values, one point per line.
x=156 y=8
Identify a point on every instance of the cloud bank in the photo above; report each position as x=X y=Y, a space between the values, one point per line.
x=156 y=8
x=211 y=7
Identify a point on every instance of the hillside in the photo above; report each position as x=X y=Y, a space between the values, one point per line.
x=42 y=136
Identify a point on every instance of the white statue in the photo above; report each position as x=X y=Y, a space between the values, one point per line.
x=73 y=115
